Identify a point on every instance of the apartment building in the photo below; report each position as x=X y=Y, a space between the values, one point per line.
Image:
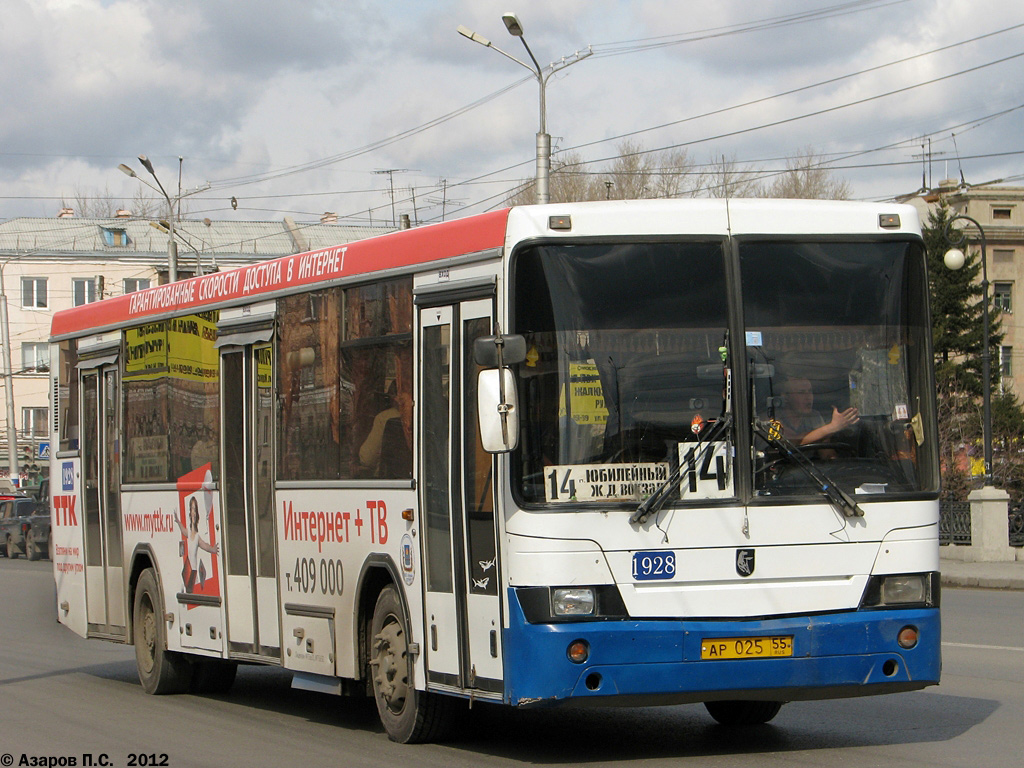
x=49 y=264
x=1000 y=212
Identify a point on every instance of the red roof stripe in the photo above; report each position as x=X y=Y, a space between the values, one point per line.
x=398 y=249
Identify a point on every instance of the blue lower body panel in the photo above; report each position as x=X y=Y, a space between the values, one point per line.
x=632 y=662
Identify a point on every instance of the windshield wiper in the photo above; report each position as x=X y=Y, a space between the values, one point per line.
x=836 y=496
x=656 y=500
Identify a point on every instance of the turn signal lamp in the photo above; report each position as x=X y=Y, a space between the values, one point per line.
x=907 y=637
x=578 y=651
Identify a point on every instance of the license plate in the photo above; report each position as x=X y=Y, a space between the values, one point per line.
x=746 y=648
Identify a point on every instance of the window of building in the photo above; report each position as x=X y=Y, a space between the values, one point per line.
x=1003 y=214
x=114 y=237
x=1004 y=297
x=1006 y=362
x=35 y=356
x=1002 y=255
x=33 y=292
x=83 y=290
x=35 y=422
x=133 y=284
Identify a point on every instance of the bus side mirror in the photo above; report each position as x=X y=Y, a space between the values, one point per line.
x=499 y=350
x=497 y=411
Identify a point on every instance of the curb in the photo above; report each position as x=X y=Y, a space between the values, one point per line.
x=982 y=582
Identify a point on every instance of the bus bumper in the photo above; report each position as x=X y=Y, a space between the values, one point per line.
x=630 y=662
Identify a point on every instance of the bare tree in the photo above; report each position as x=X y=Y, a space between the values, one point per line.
x=675 y=175
x=633 y=174
x=570 y=181
x=106 y=205
x=727 y=178
x=807 y=177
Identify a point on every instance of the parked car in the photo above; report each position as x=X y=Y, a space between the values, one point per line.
x=37 y=541
x=8 y=490
x=15 y=524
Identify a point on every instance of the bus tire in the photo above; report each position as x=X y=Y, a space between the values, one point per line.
x=31 y=549
x=160 y=671
x=743 y=712
x=213 y=675
x=408 y=715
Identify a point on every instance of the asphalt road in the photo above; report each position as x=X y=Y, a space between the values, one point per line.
x=63 y=698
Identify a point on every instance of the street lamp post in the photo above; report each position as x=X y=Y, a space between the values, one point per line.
x=172 y=246
x=542 y=74
x=954 y=259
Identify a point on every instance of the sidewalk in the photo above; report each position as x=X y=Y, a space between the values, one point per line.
x=956 y=573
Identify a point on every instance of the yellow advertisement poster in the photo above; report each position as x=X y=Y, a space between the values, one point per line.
x=191 y=353
x=146 y=350
x=182 y=348
x=585 y=403
x=264 y=366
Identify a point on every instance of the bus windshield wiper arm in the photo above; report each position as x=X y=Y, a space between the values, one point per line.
x=656 y=500
x=836 y=496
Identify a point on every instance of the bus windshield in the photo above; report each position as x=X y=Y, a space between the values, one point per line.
x=836 y=340
x=630 y=366
x=624 y=363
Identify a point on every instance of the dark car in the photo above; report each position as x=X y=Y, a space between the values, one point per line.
x=15 y=524
x=38 y=542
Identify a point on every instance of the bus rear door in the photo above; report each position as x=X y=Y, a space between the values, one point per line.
x=247 y=408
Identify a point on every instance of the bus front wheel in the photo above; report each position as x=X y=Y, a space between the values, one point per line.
x=408 y=715
x=743 y=712
x=160 y=671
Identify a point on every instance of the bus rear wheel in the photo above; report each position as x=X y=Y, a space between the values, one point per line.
x=31 y=548
x=160 y=671
x=743 y=712
x=408 y=715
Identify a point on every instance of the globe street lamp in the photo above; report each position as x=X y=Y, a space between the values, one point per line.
x=542 y=74
x=955 y=259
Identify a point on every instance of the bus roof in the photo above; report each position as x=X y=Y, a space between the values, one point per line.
x=391 y=251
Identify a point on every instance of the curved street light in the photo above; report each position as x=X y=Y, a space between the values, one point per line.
x=542 y=75
x=954 y=259
x=172 y=246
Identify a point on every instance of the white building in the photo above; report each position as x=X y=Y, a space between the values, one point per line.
x=1000 y=212
x=51 y=264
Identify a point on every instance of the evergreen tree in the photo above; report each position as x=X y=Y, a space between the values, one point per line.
x=957 y=325
x=958 y=331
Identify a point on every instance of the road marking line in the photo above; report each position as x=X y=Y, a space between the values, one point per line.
x=985 y=647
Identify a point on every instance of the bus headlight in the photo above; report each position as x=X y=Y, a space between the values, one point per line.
x=573 y=601
x=900 y=590
x=544 y=605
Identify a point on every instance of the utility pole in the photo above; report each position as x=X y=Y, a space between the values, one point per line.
x=391 y=183
x=12 y=430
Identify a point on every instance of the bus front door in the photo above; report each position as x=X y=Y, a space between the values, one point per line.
x=247 y=428
x=101 y=478
x=462 y=609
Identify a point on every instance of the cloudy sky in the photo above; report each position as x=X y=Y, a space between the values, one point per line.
x=300 y=107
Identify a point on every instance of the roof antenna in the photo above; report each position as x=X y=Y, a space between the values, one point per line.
x=963 y=182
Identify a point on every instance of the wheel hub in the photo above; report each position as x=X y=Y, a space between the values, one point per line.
x=391 y=676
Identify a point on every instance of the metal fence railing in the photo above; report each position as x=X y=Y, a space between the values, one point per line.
x=1017 y=526
x=955 y=522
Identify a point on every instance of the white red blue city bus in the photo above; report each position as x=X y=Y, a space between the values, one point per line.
x=602 y=453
